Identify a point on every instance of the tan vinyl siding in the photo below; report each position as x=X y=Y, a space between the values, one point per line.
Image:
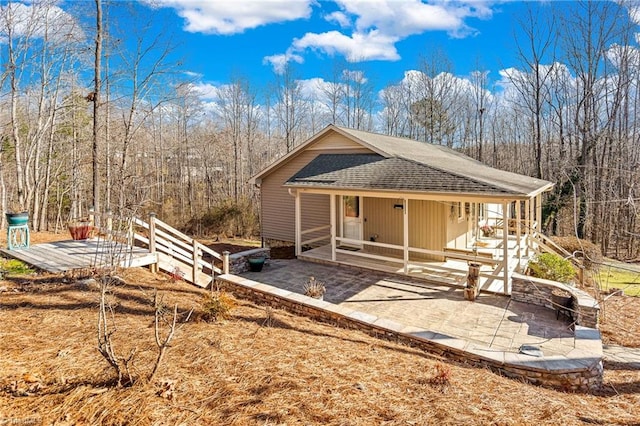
x=383 y=221
x=315 y=212
x=427 y=227
x=278 y=207
x=457 y=230
x=335 y=141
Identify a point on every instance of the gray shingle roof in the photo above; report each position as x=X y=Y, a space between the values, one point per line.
x=413 y=160
x=448 y=160
x=373 y=171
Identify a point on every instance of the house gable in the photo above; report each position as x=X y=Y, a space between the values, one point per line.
x=278 y=206
x=330 y=139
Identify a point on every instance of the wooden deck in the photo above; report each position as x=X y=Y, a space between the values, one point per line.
x=63 y=256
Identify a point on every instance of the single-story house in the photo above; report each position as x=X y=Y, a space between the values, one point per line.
x=347 y=195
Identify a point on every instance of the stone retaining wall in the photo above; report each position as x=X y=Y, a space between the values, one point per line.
x=239 y=263
x=537 y=291
x=581 y=372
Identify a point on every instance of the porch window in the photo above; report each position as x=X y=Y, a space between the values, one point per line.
x=351 y=206
x=460 y=211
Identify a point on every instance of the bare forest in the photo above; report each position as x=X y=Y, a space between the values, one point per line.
x=101 y=113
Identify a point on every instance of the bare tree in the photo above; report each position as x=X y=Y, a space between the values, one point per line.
x=237 y=111
x=532 y=84
x=290 y=108
x=95 y=98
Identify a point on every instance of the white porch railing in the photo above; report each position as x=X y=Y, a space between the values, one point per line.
x=315 y=230
x=438 y=253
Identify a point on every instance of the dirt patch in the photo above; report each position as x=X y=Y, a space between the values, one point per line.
x=229 y=244
x=38 y=237
x=236 y=246
x=285 y=252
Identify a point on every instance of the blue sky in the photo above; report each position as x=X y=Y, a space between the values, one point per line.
x=383 y=38
x=218 y=39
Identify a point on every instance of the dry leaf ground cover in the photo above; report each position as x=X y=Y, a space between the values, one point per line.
x=259 y=367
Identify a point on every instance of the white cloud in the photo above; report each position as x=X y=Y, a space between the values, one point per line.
x=402 y=18
x=371 y=28
x=205 y=91
x=38 y=20
x=339 y=18
x=193 y=74
x=634 y=12
x=231 y=17
x=358 y=47
x=280 y=61
x=313 y=88
x=620 y=55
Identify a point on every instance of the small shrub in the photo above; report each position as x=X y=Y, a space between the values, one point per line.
x=217 y=305
x=441 y=377
x=442 y=374
x=550 y=266
x=14 y=267
x=314 y=288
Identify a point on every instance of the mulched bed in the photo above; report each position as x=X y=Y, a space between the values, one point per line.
x=261 y=366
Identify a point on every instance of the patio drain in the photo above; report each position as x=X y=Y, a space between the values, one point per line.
x=531 y=350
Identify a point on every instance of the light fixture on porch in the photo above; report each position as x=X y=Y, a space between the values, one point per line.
x=398 y=206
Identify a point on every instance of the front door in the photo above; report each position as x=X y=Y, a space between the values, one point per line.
x=352 y=219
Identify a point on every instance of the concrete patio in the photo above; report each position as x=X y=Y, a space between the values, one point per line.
x=520 y=340
x=492 y=322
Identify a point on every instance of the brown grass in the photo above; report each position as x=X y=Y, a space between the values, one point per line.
x=260 y=367
x=620 y=321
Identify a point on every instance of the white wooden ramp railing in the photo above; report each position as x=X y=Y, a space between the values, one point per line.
x=178 y=254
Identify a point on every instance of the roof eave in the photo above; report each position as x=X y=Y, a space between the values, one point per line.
x=501 y=196
x=542 y=189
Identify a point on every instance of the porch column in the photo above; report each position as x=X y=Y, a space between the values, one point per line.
x=298 y=224
x=539 y=212
x=405 y=238
x=527 y=224
x=518 y=228
x=332 y=212
x=505 y=246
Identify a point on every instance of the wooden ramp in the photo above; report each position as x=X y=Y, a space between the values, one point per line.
x=182 y=270
x=63 y=256
x=178 y=253
x=153 y=244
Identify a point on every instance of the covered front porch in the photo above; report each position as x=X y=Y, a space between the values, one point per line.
x=429 y=237
x=451 y=271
